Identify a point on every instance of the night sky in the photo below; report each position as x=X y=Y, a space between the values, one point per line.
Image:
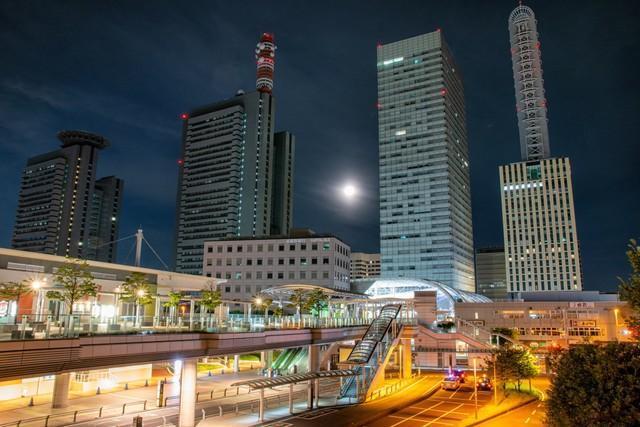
x=127 y=70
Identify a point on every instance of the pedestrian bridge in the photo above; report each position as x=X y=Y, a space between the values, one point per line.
x=35 y=357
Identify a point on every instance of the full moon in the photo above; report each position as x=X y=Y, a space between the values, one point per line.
x=349 y=191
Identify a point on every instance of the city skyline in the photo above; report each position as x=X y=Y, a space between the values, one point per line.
x=493 y=128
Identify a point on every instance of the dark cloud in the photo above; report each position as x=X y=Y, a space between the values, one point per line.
x=128 y=69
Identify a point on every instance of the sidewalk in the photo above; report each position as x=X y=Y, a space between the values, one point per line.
x=17 y=409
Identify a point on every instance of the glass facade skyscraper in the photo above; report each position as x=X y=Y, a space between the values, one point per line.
x=425 y=195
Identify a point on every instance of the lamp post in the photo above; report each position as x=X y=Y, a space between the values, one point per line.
x=475 y=384
x=37 y=284
x=140 y=294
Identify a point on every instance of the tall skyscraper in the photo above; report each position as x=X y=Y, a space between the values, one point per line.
x=538 y=217
x=282 y=194
x=531 y=104
x=231 y=170
x=425 y=194
x=62 y=209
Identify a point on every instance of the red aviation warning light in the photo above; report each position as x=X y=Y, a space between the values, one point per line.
x=184 y=116
x=265 y=62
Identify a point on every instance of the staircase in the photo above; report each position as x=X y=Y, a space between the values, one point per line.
x=372 y=352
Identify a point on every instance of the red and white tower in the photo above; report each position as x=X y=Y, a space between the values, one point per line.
x=265 y=62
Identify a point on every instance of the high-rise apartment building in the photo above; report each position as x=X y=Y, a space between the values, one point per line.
x=231 y=169
x=364 y=266
x=425 y=195
x=538 y=217
x=491 y=279
x=62 y=208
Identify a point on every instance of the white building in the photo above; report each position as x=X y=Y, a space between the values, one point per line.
x=252 y=265
x=539 y=226
x=364 y=266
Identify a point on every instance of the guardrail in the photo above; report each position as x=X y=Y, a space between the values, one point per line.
x=84 y=415
x=33 y=327
x=71 y=417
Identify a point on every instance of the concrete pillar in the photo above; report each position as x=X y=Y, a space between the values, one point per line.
x=291 y=399
x=261 y=413
x=314 y=358
x=405 y=361
x=236 y=363
x=188 y=393
x=61 y=391
x=310 y=394
x=266 y=358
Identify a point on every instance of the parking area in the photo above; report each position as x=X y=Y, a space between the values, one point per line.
x=444 y=408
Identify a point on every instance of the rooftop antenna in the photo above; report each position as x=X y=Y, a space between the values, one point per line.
x=139 y=239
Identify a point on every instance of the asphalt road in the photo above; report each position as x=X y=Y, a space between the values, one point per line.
x=444 y=408
x=529 y=415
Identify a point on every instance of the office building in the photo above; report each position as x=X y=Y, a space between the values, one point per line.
x=491 y=278
x=62 y=208
x=538 y=217
x=231 y=171
x=365 y=266
x=250 y=265
x=425 y=195
x=282 y=194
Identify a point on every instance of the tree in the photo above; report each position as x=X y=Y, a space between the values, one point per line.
x=317 y=301
x=278 y=311
x=136 y=289
x=13 y=291
x=512 y=364
x=76 y=281
x=446 y=325
x=596 y=385
x=173 y=302
x=299 y=300
x=630 y=289
x=210 y=298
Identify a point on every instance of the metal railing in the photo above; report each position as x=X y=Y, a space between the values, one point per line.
x=29 y=327
x=85 y=415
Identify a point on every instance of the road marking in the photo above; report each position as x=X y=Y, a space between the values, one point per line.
x=539 y=405
x=454 y=393
x=527 y=420
x=420 y=419
x=472 y=394
x=446 y=413
x=534 y=412
x=415 y=415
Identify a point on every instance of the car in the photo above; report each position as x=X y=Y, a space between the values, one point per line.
x=450 y=383
x=459 y=373
x=485 y=383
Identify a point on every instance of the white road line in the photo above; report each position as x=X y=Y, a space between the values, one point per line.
x=534 y=412
x=420 y=419
x=472 y=394
x=415 y=415
x=527 y=420
x=446 y=413
x=454 y=393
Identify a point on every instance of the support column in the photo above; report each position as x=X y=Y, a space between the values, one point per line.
x=406 y=359
x=313 y=358
x=61 y=391
x=188 y=393
x=261 y=413
x=266 y=358
x=310 y=394
x=236 y=363
x=291 y=399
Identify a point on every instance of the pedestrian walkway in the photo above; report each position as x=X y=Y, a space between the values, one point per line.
x=17 y=409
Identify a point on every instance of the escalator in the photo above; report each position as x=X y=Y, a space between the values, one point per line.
x=290 y=360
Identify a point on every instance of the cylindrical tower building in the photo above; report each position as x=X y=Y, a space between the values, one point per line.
x=531 y=104
x=265 y=57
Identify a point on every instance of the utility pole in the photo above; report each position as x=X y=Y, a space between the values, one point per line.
x=475 y=384
x=495 y=381
x=139 y=238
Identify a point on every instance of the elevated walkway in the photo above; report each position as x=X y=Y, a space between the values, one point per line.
x=370 y=356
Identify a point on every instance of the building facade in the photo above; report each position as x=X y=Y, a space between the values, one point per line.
x=425 y=195
x=62 y=208
x=491 y=278
x=252 y=265
x=554 y=318
x=539 y=226
x=364 y=266
x=230 y=171
x=538 y=217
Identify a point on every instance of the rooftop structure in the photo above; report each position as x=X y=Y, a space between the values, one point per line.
x=265 y=62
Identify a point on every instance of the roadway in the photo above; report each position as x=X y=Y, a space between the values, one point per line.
x=444 y=408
